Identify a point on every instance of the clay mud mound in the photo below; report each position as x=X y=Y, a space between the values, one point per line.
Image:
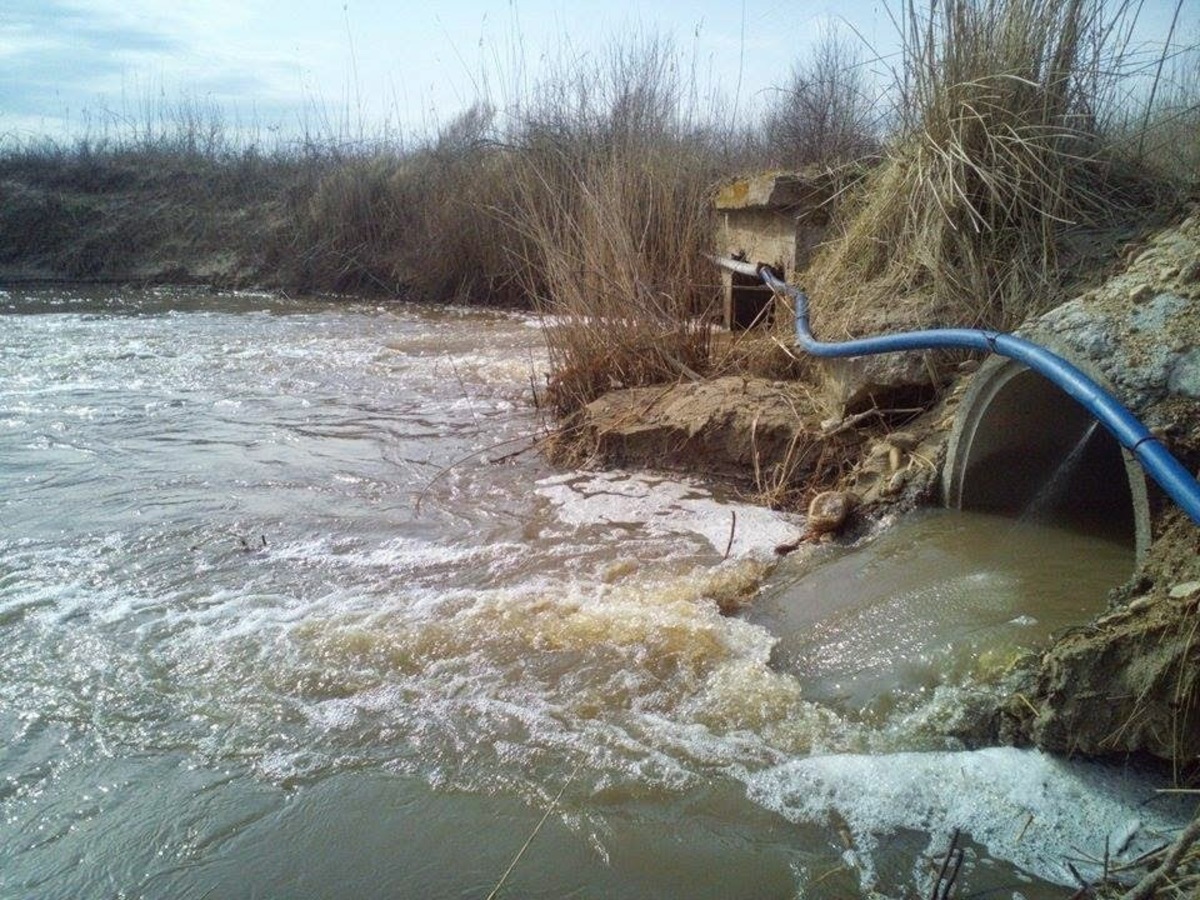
x=755 y=434
x=1128 y=682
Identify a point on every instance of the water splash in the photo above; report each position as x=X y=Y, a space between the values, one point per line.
x=1055 y=488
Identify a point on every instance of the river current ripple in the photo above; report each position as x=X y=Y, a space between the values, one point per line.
x=289 y=607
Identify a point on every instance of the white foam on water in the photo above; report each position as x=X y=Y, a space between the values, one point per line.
x=665 y=507
x=337 y=714
x=1034 y=810
x=282 y=766
x=400 y=554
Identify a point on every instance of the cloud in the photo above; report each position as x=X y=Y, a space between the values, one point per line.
x=405 y=63
x=30 y=27
x=77 y=63
x=53 y=55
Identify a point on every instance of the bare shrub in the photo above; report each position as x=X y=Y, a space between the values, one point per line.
x=433 y=223
x=616 y=205
x=461 y=193
x=828 y=112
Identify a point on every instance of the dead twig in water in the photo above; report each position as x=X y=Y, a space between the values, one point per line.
x=546 y=815
x=1085 y=887
x=248 y=547
x=732 y=532
x=1025 y=827
x=470 y=456
x=947 y=873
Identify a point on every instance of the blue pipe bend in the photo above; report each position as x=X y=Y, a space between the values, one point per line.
x=1135 y=437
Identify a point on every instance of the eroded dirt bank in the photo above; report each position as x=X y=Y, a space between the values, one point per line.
x=1129 y=681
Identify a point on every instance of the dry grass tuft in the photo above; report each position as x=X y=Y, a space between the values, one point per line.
x=811 y=464
x=615 y=207
x=621 y=306
x=999 y=155
x=759 y=354
x=344 y=228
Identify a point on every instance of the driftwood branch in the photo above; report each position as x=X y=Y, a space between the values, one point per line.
x=1146 y=888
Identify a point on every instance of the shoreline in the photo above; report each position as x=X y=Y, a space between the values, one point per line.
x=1128 y=681
x=773 y=440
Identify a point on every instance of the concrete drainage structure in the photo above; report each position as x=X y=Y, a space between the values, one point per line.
x=1021 y=447
x=1142 y=357
x=1025 y=441
x=1014 y=429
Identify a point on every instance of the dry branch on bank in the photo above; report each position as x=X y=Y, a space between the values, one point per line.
x=1172 y=872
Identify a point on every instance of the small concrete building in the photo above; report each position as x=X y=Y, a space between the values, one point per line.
x=777 y=218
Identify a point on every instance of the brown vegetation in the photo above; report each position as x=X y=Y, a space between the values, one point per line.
x=140 y=210
x=828 y=112
x=1002 y=154
x=616 y=210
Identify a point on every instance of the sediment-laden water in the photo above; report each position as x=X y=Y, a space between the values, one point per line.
x=285 y=611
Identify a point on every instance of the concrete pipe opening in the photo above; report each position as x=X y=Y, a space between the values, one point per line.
x=1022 y=448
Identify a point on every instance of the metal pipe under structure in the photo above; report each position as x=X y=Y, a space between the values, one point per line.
x=1130 y=433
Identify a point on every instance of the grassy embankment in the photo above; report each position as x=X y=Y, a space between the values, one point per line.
x=1025 y=130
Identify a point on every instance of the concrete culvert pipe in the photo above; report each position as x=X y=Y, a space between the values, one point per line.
x=1021 y=447
x=1081 y=388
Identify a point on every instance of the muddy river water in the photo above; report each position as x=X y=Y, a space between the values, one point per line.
x=285 y=613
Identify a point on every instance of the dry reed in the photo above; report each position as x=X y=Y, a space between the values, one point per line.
x=615 y=206
x=999 y=154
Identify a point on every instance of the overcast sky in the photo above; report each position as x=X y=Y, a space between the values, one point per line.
x=68 y=65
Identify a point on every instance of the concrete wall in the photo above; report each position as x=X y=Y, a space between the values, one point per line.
x=775 y=218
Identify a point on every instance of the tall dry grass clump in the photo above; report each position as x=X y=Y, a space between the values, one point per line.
x=616 y=207
x=999 y=154
x=432 y=223
x=342 y=231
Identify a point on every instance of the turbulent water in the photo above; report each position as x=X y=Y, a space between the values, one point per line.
x=289 y=607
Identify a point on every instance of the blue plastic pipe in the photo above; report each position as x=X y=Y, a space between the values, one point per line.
x=1135 y=437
